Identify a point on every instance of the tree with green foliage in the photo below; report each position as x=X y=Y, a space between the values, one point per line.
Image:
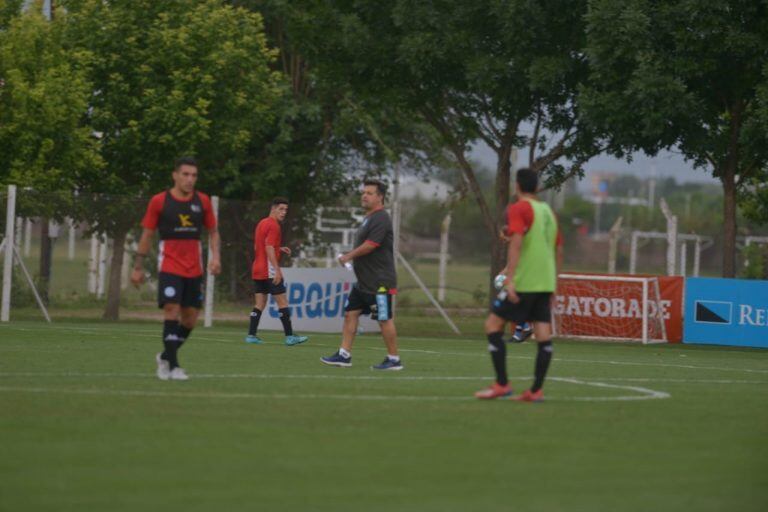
x=327 y=137
x=473 y=72
x=46 y=146
x=9 y=9
x=327 y=132
x=44 y=91
x=683 y=74
x=171 y=78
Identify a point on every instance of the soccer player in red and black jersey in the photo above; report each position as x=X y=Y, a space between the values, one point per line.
x=180 y=214
x=266 y=273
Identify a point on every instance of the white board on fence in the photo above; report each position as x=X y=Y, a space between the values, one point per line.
x=317 y=297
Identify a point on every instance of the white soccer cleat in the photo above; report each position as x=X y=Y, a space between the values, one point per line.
x=178 y=373
x=163 y=368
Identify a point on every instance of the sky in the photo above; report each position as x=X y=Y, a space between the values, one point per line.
x=665 y=164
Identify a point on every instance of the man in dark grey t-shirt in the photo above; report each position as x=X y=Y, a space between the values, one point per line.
x=374 y=262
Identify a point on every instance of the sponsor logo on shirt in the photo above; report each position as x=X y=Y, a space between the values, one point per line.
x=184 y=221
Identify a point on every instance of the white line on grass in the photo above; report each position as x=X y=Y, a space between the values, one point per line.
x=335 y=375
x=85 y=330
x=646 y=394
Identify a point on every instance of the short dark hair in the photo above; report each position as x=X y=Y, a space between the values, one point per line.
x=184 y=160
x=381 y=187
x=278 y=201
x=528 y=180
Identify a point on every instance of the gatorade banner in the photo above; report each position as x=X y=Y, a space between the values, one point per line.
x=316 y=297
x=614 y=309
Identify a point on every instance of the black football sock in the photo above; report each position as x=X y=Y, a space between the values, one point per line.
x=254 y=326
x=171 y=342
x=183 y=334
x=498 y=351
x=543 y=357
x=285 y=319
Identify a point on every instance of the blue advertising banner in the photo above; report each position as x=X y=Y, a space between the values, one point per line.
x=726 y=312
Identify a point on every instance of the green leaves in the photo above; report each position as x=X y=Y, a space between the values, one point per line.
x=45 y=142
x=173 y=78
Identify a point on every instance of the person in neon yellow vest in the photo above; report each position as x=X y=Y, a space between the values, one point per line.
x=533 y=258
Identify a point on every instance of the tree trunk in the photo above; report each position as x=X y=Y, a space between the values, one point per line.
x=765 y=262
x=503 y=175
x=729 y=222
x=728 y=178
x=112 y=309
x=490 y=218
x=498 y=261
x=46 y=250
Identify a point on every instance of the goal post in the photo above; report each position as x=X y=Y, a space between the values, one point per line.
x=623 y=308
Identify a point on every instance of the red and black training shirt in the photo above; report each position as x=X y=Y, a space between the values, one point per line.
x=180 y=222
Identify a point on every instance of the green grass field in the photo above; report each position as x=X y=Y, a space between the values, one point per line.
x=84 y=425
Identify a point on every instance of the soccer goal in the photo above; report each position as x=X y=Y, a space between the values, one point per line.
x=610 y=308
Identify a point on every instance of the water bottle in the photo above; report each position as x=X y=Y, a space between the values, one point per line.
x=347 y=265
x=382 y=304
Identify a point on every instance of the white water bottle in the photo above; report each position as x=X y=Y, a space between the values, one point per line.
x=347 y=265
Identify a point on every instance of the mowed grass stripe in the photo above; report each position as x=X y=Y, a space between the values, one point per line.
x=296 y=447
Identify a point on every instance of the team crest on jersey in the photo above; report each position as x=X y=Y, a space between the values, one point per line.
x=195 y=208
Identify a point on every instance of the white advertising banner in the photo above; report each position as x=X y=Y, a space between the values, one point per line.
x=317 y=297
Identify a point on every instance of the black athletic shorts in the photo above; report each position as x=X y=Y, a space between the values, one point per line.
x=533 y=307
x=266 y=286
x=175 y=289
x=366 y=302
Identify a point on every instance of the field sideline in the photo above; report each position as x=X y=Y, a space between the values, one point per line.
x=85 y=425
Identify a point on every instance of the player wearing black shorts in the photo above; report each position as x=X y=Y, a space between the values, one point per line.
x=533 y=257
x=374 y=264
x=267 y=275
x=179 y=214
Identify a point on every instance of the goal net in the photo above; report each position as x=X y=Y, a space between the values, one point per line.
x=609 y=307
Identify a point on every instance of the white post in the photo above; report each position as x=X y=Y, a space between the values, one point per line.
x=426 y=291
x=72 y=237
x=93 y=265
x=633 y=253
x=613 y=245
x=445 y=228
x=27 y=237
x=396 y=223
x=645 y=311
x=697 y=257
x=130 y=248
x=5 y=313
x=683 y=257
x=671 y=236
x=53 y=229
x=19 y=230
x=659 y=311
x=210 y=279
x=102 y=268
x=598 y=205
x=396 y=210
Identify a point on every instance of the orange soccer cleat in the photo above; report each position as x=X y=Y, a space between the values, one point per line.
x=529 y=396
x=495 y=390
